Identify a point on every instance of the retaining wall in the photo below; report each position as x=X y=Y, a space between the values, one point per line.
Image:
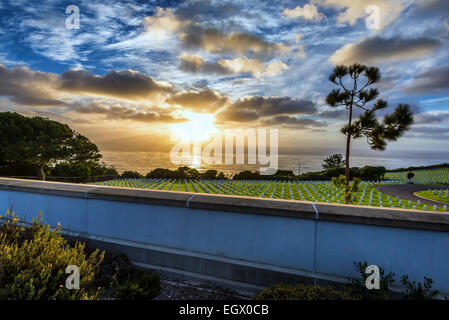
x=243 y=241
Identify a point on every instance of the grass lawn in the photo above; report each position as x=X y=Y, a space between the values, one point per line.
x=316 y=191
x=434 y=195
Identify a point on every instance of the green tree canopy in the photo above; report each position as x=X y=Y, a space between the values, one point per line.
x=42 y=142
x=333 y=161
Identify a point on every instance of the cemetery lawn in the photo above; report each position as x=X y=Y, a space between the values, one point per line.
x=315 y=191
x=434 y=195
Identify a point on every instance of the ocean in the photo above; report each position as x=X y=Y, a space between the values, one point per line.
x=144 y=162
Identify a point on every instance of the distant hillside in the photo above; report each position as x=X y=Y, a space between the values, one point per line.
x=435 y=166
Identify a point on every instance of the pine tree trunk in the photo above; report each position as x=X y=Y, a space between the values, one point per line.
x=348 y=152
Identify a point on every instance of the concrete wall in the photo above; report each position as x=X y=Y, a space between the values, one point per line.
x=241 y=239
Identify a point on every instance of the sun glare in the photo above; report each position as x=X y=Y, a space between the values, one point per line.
x=199 y=128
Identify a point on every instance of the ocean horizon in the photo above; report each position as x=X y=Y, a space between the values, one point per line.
x=144 y=162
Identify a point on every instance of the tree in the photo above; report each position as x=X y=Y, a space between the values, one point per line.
x=131 y=175
x=41 y=142
x=333 y=161
x=353 y=93
x=410 y=175
x=372 y=173
x=209 y=174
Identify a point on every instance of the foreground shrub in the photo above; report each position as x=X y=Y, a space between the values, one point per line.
x=34 y=260
x=418 y=291
x=302 y=292
x=412 y=289
x=355 y=290
x=115 y=266
x=141 y=285
x=357 y=286
x=122 y=280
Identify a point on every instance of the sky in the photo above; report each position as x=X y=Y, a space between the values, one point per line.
x=136 y=71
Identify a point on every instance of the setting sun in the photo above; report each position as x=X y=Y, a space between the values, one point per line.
x=199 y=128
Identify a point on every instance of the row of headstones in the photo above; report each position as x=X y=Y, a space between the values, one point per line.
x=439 y=192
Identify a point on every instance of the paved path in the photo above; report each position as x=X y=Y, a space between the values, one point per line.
x=405 y=191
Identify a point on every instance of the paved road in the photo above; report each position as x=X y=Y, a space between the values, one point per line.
x=405 y=191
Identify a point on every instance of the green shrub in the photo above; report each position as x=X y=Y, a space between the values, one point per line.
x=141 y=285
x=34 y=260
x=115 y=265
x=357 y=286
x=418 y=291
x=412 y=289
x=302 y=292
x=131 y=175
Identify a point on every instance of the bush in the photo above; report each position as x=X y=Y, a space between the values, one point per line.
x=83 y=170
x=34 y=260
x=372 y=173
x=114 y=267
x=418 y=291
x=162 y=173
x=209 y=174
x=412 y=290
x=131 y=174
x=141 y=285
x=357 y=286
x=302 y=292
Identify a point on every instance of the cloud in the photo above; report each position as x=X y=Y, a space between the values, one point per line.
x=308 y=12
x=119 y=112
x=378 y=49
x=206 y=101
x=195 y=63
x=251 y=108
x=432 y=117
x=195 y=36
x=427 y=130
x=127 y=84
x=432 y=81
x=289 y=121
x=334 y=114
x=350 y=11
x=27 y=87
x=207 y=8
x=433 y=6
